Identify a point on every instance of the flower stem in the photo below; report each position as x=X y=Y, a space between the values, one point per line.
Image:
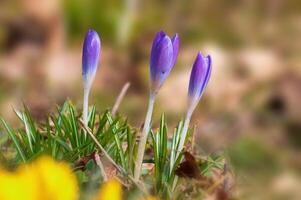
x=141 y=147
x=184 y=132
x=86 y=105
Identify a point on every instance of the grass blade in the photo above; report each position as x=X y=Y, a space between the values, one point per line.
x=14 y=139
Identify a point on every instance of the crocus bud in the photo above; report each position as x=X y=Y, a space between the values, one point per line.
x=163 y=57
x=91 y=51
x=90 y=59
x=199 y=77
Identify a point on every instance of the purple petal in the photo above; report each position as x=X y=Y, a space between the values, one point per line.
x=161 y=60
x=208 y=74
x=158 y=37
x=91 y=51
x=175 y=43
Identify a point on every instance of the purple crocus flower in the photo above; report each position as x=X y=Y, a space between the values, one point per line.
x=199 y=77
x=90 y=60
x=163 y=57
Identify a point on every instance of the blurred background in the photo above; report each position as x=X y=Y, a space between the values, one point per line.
x=251 y=108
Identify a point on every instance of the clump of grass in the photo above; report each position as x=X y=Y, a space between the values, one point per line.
x=62 y=136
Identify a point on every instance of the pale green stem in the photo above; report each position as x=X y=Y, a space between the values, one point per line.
x=143 y=139
x=184 y=132
x=182 y=141
x=86 y=105
x=191 y=106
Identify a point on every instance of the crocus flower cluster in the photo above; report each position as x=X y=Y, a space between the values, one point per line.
x=163 y=57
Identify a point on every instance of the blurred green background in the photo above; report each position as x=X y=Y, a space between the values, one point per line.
x=251 y=108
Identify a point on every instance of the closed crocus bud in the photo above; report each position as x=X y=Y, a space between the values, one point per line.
x=90 y=60
x=199 y=77
x=163 y=57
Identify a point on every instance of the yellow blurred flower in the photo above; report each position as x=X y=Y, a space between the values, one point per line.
x=56 y=180
x=110 y=190
x=19 y=185
x=43 y=179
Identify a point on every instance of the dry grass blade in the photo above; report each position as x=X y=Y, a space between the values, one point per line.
x=140 y=185
x=100 y=165
x=100 y=147
x=120 y=98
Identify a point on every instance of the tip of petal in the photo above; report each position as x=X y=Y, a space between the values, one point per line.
x=91 y=32
x=161 y=34
x=166 y=38
x=208 y=57
x=200 y=55
x=175 y=41
x=208 y=61
x=176 y=36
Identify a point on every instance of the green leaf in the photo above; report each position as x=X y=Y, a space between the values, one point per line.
x=14 y=139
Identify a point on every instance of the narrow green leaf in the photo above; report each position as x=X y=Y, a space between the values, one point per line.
x=14 y=139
